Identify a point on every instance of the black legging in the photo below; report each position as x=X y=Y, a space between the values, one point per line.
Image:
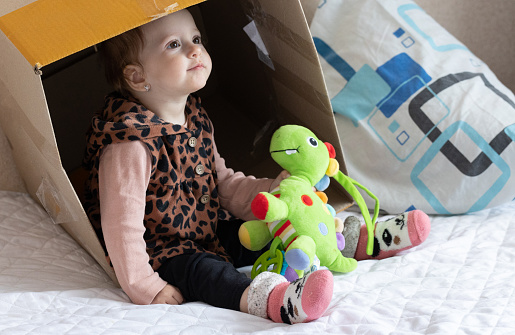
x=207 y=277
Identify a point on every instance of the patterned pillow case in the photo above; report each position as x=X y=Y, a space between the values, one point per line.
x=423 y=122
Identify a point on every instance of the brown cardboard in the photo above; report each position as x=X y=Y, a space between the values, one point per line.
x=45 y=117
x=82 y=23
x=309 y=7
x=10 y=179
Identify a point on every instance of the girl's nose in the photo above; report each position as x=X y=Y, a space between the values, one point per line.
x=195 y=51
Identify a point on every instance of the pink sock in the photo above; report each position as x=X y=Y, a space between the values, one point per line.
x=394 y=235
x=304 y=300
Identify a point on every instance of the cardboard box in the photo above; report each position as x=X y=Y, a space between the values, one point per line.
x=51 y=83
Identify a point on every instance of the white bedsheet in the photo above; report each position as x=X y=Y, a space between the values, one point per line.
x=460 y=281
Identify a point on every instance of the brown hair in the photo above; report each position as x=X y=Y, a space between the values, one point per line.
x=117 y=53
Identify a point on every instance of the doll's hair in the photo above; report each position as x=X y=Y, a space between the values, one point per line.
x=118 y=52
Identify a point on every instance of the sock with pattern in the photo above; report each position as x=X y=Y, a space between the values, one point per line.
x=394 y=235
x=303 y=300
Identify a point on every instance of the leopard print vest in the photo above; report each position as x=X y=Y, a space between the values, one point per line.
x=182 y=205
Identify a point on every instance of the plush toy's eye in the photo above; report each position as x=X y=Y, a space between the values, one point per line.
x=312 y=142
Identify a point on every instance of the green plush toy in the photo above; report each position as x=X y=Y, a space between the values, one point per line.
x=298 y=221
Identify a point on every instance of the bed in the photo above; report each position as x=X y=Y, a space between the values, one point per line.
x=460 y=280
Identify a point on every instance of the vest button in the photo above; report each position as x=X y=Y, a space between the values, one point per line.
x=204 y=199
x=199 y=169
x=192 y=142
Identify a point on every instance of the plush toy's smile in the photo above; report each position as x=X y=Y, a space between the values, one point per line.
x=287 y=151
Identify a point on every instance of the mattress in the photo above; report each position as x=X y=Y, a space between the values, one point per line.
x=461 y=280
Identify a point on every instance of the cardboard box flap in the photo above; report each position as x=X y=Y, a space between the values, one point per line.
x=47 y=30
x=296 y=77
x=26 y=122
x=287 y=88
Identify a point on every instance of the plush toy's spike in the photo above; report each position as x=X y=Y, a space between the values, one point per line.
x=330 y=148
x=331 y=210
x=333 y=167
x=338 y=225
x=323 y=184
x=322 y=196
x=340 y=241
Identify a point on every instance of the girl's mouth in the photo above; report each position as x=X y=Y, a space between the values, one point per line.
x=197 y=67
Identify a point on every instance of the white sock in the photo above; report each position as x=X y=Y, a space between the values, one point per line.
x=259 y=291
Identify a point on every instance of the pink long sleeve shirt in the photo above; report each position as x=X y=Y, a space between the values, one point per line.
x=122 y=207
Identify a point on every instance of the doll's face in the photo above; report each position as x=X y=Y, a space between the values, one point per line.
x=395 y=236
x=297 y=150
x=173 y=58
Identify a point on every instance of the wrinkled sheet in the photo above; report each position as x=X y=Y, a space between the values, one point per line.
x=461 y=280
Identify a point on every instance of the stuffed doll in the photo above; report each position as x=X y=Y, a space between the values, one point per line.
x=298 y=220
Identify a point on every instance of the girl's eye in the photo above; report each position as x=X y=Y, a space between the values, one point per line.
x=173 y=45
x=197 y=40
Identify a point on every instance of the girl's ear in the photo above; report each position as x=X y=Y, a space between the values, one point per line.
x=135 y=77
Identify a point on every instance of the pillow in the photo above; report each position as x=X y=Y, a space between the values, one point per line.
x=423 y=122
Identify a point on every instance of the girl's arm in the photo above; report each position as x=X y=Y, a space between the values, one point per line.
x=236 y=191
x=124 y=174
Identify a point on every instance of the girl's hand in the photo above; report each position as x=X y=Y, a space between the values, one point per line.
x=169 y=295
x=283 y=175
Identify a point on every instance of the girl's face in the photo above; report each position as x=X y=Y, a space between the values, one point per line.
x=175 y=63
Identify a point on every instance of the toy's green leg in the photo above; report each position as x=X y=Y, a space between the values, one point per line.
x=301 y=252
x=268 y=208
x=254 y=235
x=343 y=264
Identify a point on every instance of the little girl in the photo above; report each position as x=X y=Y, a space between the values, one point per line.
x=158 y=189
x=157 y=184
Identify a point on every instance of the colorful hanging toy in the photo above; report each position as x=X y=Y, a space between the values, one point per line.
x=299 y=222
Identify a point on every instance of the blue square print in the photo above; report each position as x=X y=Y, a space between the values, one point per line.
x=394 y=126
x=399 y=32
x=403 y=138
x=408 y=42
